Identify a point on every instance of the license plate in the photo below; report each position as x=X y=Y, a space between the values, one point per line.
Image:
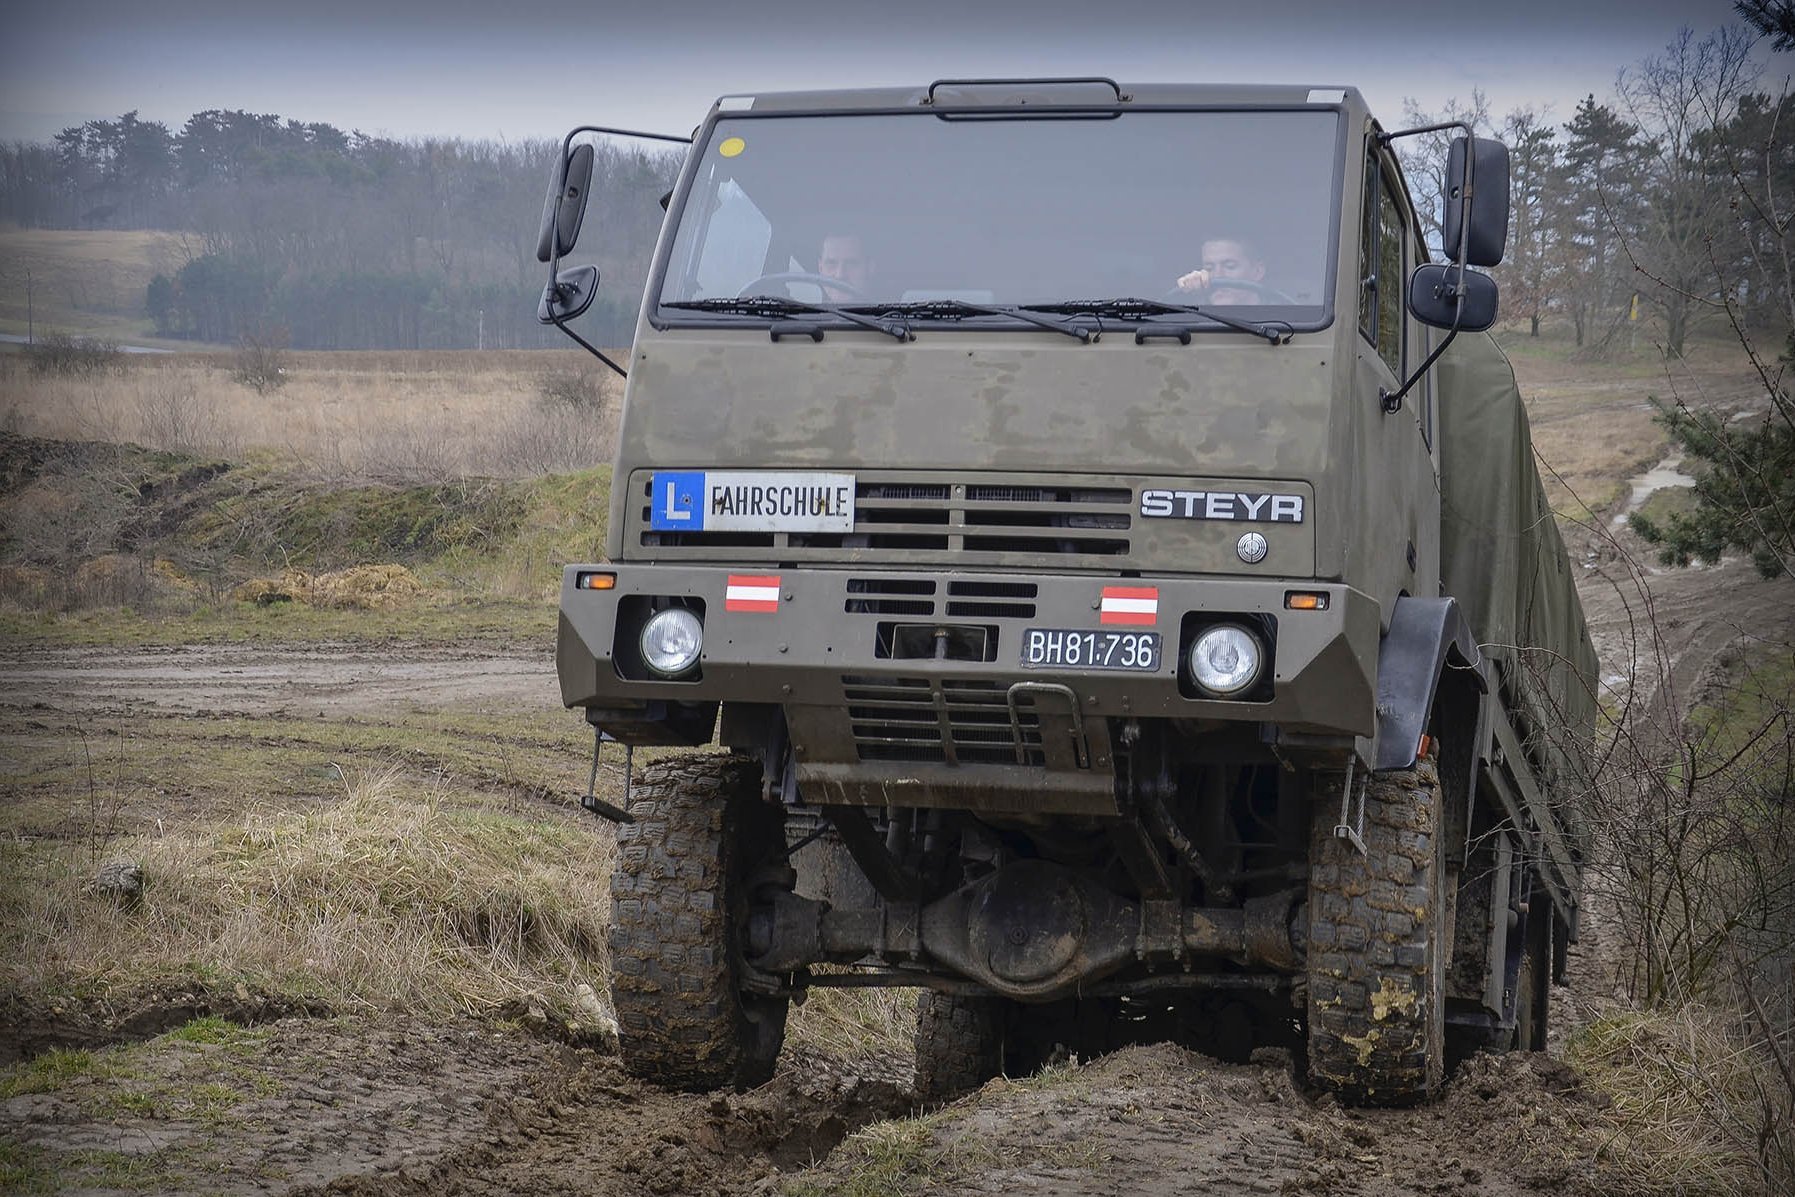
x=1077 y=648
x=750 y=501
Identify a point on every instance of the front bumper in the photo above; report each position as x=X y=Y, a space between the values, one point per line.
x=825 y=650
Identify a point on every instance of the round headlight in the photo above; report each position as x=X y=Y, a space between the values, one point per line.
x=671 y=641
x=1225 y=659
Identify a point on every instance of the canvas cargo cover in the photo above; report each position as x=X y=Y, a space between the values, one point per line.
x=1502 y=558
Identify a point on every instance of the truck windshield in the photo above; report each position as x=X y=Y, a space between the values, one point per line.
x=883 y=210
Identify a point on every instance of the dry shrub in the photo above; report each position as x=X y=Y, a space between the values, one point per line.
x=390 y=898
x=77 y=357
x=174 y=413
x=360 y=587
x=260 y=362
x=553 y=439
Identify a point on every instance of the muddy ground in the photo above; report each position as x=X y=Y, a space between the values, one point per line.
x=387 y=1105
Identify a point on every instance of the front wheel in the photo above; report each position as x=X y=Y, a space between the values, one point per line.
x=679 y=902
x=1377 y=944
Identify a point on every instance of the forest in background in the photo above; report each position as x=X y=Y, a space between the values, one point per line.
x=1655 y=204
x=301 y=234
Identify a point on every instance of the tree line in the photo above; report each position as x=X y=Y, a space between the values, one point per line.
x=1658 y=204
x=339 y=240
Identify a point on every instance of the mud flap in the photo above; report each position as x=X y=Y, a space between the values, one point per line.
x=1426 y=638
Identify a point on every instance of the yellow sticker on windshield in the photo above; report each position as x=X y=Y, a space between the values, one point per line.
x=731 y=147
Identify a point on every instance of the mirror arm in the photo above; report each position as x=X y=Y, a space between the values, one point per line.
x=554 y=264
x=1391 y=403
x=588 y=346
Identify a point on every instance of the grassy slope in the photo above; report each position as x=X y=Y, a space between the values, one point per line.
x=89 y=283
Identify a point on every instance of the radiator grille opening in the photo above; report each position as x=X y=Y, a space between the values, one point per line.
x=890 y=596
x=953 y=722
x=1003 y=600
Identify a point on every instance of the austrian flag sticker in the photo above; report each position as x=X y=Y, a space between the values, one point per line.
x=752 y=592
x=1130 y=604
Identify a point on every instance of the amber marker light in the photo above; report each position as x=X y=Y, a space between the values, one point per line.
x=597 y=581
x=1300 y=601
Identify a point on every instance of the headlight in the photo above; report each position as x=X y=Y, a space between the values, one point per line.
x=672 y=640
x=1225 y=659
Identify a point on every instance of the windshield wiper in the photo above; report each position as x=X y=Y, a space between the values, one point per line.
x=942 y=309
x=1129 y=308
x=780 y=307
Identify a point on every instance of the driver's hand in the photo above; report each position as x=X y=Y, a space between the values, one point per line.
x=1196 y=280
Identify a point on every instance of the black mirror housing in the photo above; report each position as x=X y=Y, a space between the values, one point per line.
x=1435 y=294
x=1484 y=205
x=565 y=208
x=568 y=296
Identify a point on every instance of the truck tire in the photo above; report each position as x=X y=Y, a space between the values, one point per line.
x=1377 y=944
x=959 y=1043
x=678 y=902
x=1533 y=987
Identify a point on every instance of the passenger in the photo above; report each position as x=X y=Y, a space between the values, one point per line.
x=1227 y=258
x=843 y=256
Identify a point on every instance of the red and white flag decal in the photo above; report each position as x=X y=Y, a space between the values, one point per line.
x=1130 y=604
x=752 y=592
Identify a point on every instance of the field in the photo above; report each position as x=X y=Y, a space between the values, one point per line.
x=85 y=283
x=290 y=655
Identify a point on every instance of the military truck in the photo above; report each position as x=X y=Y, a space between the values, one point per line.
x=1103 y=555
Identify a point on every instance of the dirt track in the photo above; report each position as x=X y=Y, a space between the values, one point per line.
x=329 y=680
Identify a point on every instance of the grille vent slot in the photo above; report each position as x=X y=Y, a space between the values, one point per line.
x=890 y=596
x=957 y=722
x=999 y=600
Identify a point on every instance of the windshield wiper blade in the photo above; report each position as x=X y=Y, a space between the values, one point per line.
x=1129 y=308
x=779 y=306
x=946 y=308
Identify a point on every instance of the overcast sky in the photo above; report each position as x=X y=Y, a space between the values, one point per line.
x=454 y=67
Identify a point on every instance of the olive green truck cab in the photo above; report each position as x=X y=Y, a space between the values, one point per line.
x=1110 y=557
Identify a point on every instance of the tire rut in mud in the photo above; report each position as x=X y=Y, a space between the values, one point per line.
x=586 y=1125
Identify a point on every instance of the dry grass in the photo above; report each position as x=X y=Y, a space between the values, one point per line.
x=1695 y=1108
x=394 y=897
x=433 y=415
x=855 y=1024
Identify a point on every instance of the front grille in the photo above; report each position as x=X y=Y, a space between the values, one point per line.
x=890 y=596
x=948 y=721
x=970 y=523
x=993 y=599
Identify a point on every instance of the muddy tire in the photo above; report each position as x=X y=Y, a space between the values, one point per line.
x=678 y=904
x=1533 y=986
x=959 y=1043
x=1377 y=944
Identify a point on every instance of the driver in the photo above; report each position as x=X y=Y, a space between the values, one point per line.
x=843 y=256
x=1225 y=258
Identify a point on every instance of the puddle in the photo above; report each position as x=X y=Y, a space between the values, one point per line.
x=1662 y=476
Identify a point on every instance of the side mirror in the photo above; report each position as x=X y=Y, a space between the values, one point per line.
x=565 y=206
x=568 y=296
x=1484 y=204
x=1436 y=291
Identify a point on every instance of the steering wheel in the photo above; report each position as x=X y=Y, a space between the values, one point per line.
x=1232 y=284
x=782 y=277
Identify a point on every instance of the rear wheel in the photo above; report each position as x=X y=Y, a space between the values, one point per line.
x=1377 y=944
x=1533 y=987
x=679 y=901
x=962 y=1041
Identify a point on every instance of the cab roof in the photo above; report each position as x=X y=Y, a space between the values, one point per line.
x=962 y=94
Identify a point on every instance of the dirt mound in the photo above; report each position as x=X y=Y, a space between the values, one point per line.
x=1161 y=1120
